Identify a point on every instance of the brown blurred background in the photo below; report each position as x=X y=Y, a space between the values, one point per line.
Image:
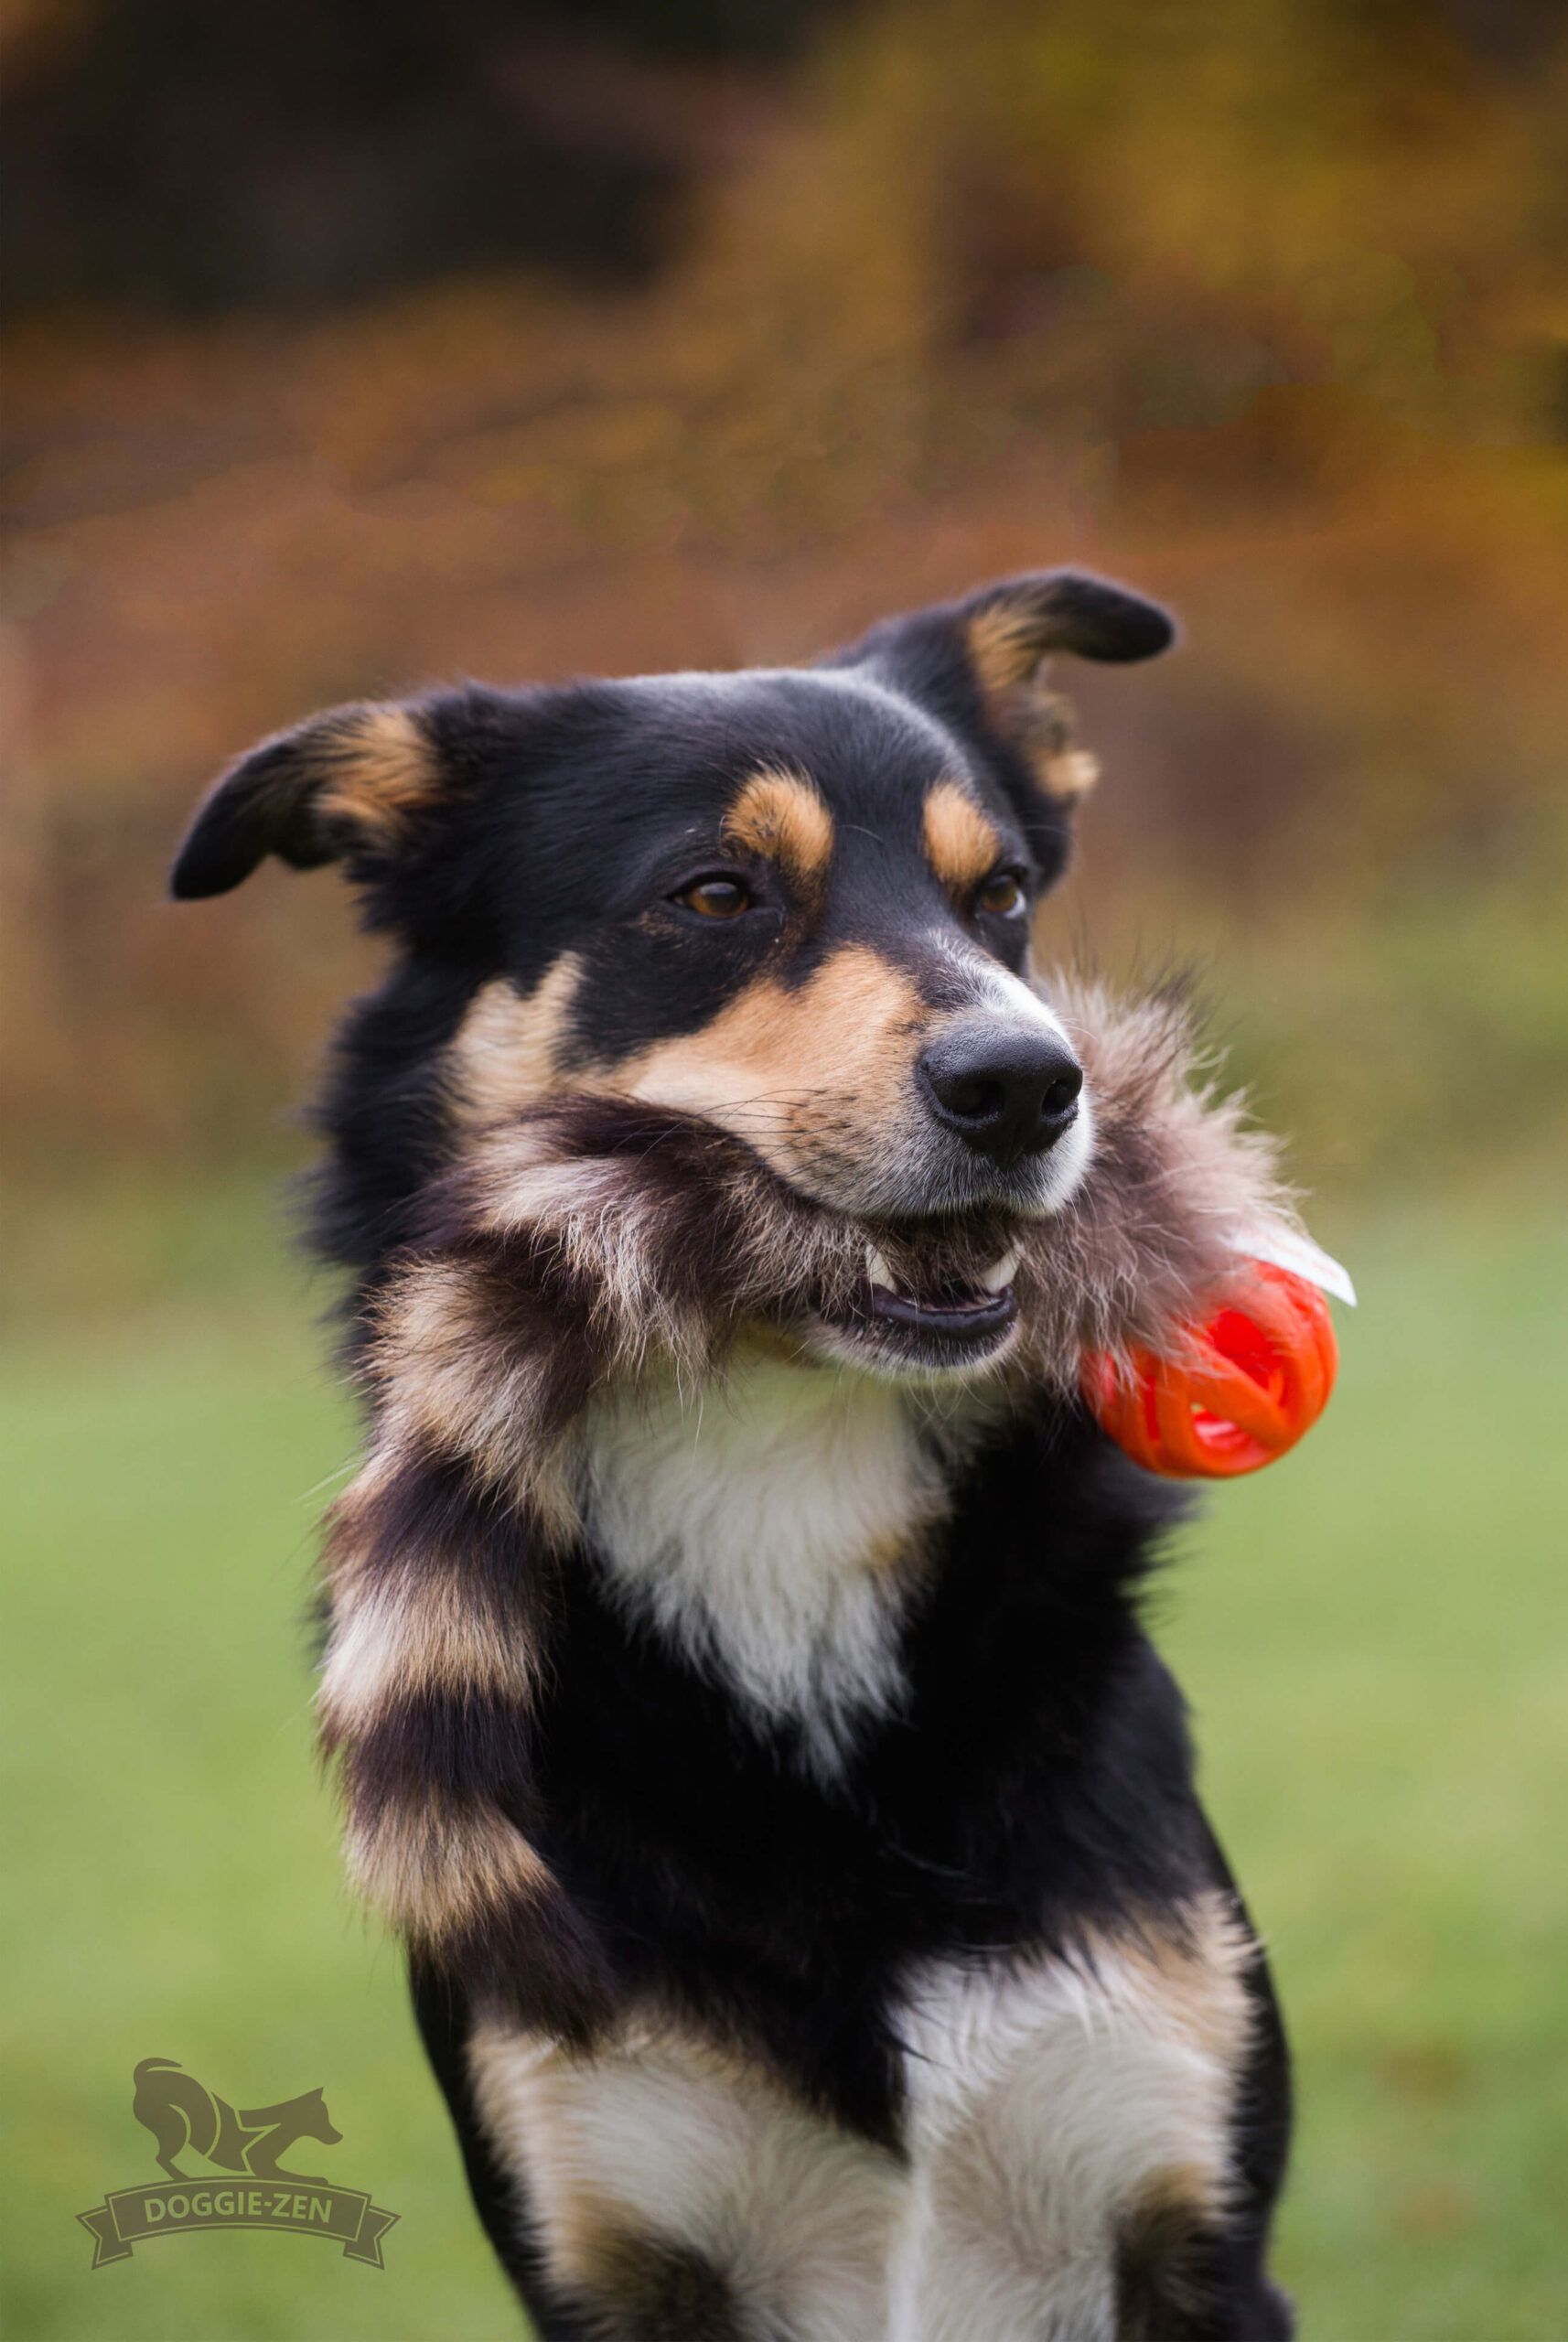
x=357 y=349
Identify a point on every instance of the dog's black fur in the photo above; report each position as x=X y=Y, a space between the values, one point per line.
x=1030 y=1789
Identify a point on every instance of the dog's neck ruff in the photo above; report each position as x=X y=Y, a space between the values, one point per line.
x=771 y=1527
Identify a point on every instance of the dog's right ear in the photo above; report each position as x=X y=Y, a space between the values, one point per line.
x=354 y=784
x=980 y=664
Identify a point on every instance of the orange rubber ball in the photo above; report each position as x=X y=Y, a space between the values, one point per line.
x=1257 y=1378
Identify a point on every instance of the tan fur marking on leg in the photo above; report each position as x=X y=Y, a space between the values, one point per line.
x=1199 y=1978
x=780 y=816
x=383 y=769
x=544 y=2104
x=961 y=845
x=659 y=2134
x=1047 y=2098
x=503 y=1055
x=1162 y=2283
x=634 y=2281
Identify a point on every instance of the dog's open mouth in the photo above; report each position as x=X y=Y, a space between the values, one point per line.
x=924 y=1306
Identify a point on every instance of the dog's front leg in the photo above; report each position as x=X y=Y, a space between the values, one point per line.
x=1071 y=2124
x=676 y=2193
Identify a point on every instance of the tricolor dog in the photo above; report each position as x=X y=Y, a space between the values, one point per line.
x=733 y=1665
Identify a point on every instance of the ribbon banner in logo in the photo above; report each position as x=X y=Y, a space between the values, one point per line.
x=129 y=2215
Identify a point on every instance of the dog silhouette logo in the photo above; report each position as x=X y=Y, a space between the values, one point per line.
x=247 y=2142
x=183 y=2117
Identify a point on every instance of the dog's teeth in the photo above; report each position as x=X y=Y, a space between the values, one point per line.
x=878 y=1270
x=1000 y=1273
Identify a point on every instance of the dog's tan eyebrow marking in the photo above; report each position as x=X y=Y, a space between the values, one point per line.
x=379 y=768
x=780 y=816
x=961 y=845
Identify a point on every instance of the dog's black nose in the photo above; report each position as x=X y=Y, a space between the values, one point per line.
x=1006 y=1093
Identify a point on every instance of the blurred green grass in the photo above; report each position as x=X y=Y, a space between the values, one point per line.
x=1371 y=1636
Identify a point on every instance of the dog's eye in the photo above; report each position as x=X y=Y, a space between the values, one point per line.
x=717 y=898
x=1003 y=895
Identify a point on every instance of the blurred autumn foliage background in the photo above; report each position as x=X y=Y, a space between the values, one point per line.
x=353 y=349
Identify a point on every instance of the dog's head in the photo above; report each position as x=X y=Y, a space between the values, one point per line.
x=793 y=903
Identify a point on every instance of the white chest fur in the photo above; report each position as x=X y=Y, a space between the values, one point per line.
x=768 y=1528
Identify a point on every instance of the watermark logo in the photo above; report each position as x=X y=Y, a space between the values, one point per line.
x=246 y=2144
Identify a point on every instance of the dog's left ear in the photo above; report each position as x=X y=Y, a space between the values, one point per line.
x=353 y=784
x=978 y=663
